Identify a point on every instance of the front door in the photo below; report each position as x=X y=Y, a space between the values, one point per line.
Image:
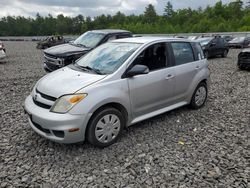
x=152 y=91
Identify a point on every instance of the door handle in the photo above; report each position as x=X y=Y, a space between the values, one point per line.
x=170 y=76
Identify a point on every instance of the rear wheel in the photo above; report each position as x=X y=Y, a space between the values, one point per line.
x=105 y=127
x=199 y=96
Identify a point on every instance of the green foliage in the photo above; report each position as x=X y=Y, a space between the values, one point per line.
x=219 y=18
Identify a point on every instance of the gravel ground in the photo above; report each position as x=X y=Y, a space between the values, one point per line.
x=209 y=147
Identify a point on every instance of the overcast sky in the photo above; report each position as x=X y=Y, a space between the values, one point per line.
x=92 y=7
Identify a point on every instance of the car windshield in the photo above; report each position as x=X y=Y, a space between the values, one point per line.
x=89 y=39
x=107 y=58
x=238 y=39
x=203 y=41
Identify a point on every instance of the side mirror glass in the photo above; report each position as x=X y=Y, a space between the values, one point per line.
x=137 y=70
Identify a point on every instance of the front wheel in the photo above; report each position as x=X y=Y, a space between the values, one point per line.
x=105 y=127
x=199 y=96
x=241 y=67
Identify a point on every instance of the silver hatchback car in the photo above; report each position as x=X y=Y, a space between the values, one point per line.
x=116 y=85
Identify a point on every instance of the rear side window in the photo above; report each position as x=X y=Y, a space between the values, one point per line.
x=198 y=51
x=183 y=52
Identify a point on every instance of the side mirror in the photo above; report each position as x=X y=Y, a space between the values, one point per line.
x=137 y=70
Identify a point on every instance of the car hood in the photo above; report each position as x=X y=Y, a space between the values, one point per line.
x=66 y=81
x=235 y=41
x=65 y=50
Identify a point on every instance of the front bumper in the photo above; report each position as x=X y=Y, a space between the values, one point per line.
x=49 y=67
x=54 y=126
x=244 y=62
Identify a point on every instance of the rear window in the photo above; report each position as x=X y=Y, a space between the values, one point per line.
x=183 y=52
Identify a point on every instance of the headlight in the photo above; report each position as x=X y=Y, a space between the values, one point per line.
x=66 y=102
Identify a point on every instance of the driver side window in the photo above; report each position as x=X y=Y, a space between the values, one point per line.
x=154 y=57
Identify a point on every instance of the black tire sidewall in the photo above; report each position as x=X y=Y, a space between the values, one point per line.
x=225 y=52
x=94 y=120
x=193 y=103
x=206 y=54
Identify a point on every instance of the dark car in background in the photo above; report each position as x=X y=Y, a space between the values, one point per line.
x=227 y=38
x=244 y=59
x=213 y=46
x=51 y=41
x=239 y=42
x=65 y=54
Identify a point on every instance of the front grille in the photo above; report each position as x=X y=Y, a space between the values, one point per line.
x=50 y=56
x=40 y=127
x=46 y=96
x=52 y=67
x=41 y=104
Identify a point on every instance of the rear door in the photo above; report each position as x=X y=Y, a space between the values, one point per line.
x=215 y=47
x=187 y=66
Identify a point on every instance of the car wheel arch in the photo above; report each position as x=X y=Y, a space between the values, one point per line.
x=115 y=105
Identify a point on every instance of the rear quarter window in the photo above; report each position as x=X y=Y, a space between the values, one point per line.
x=183 y=52
x=199 y=55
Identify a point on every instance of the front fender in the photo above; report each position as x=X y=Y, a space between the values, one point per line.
x=101 y=94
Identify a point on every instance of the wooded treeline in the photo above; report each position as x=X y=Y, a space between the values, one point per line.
x=231 y=17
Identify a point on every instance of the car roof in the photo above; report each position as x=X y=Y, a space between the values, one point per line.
x=110 y=31
x=148 y=39
x=204 y=38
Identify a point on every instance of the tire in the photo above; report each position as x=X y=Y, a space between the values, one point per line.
x=45 y=47
x=197 y=103
x=100 y=131
x=241 y=67
x=206 y=54
x=225 y=52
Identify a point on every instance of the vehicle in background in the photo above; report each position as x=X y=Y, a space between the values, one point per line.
x=239 y=42
x=2 y=50
x=118 y=84
x=227 y=38
x=213 y=46
x=244 y=59
x=51 y=41
x=65 y=54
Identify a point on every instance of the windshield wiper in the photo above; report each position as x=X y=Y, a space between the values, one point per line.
x=88 y=68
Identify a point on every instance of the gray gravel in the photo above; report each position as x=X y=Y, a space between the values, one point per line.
x=183 y=148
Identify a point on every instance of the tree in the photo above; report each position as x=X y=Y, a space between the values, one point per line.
x=218 y=18
x=150 y=15
x=168 y=10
